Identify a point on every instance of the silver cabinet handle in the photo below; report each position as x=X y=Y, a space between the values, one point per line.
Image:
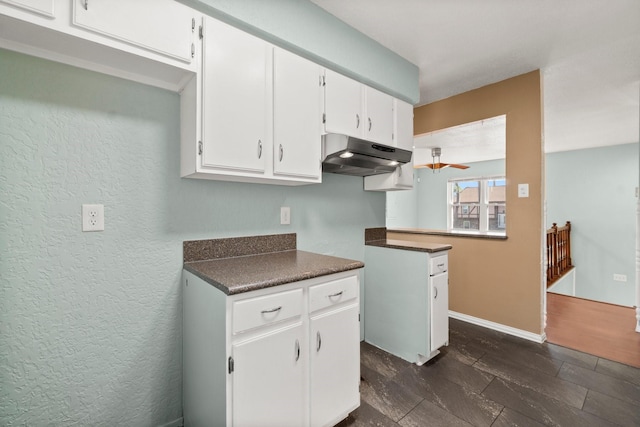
x=357 y=121
x=281 y=152
x=273 y=310
x=259 y=148
x=297 y=350
x=441 y=265
x=399 y=171
x=436 y=293
x=369 y=124
x=86 y=4
x=318 y=341
x=337 y=294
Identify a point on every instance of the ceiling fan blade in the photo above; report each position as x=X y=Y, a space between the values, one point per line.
x=440 y=166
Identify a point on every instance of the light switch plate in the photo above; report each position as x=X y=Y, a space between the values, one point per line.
x=285 y=215
x=523 y=190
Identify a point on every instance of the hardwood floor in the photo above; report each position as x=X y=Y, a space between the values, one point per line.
x=486 y=378
x=605 y=330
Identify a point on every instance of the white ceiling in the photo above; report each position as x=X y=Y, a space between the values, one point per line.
x=588 y=51
x=471 y=142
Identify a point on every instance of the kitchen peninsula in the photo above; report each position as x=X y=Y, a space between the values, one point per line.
x=406 y=296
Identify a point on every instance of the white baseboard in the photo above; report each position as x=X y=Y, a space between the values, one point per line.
x=499 y=327
x=175 y=423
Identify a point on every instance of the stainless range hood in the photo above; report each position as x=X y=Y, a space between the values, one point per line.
x=347 y=155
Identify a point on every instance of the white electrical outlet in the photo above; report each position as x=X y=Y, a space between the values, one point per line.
x=92 y=217
x=620 y=277
x=285 y=215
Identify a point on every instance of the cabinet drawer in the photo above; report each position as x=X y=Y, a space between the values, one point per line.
x=261 y=311
x=438 y=264
x=332 y=293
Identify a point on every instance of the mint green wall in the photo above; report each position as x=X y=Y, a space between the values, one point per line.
x=402 y=207
x=90 y=323
x=595 y=190
x=307 y=29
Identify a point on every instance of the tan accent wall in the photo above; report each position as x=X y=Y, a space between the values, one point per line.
x=500 y=280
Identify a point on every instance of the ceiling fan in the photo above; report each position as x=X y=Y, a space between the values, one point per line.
x=437 y=165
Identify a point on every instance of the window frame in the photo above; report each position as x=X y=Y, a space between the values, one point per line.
x=483 y=205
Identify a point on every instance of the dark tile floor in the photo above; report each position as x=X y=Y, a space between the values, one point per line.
x=486 y=378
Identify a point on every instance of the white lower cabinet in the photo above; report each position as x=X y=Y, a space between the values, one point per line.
x=335 y=357
x=283 y=356
x=268 y=379
x=439 y=306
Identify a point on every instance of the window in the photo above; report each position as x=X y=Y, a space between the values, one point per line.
x=477 y=204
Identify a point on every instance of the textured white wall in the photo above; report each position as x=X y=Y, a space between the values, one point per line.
x=90 y=323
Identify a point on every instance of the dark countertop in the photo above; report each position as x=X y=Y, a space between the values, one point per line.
x=248 y=273
x=409 y=246
x=450 y=233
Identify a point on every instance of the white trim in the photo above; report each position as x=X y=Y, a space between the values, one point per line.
x=499 y=327
x=638 y=266
x=175 y=423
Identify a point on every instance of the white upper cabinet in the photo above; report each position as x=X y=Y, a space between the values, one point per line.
x=42 y=7
x=402 y=178
x=342 y=105
x=147 y=41
x=162 y=26
x=235 y=102
x=354 y=109
x=297 y=113
x=378 y=126
x=403 y=124
x=253 y=114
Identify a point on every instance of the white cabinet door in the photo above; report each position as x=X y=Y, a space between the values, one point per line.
x=439 y=306
x=297 y=111
x=162 y=26
x=42 y=7
x=378 y=126
x=403 y=124
x=405 y=176
x=334 y=365
x=268 y=380
x=343 y=105
x=235 y=110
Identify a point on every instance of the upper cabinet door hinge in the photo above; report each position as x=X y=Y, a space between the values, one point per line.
x=231 y=365
x=201 y=32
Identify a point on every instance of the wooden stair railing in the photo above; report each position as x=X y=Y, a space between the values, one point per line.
x=558 y=252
